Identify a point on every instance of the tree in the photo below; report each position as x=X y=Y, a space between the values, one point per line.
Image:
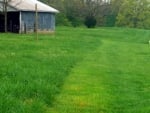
x=5 y=2
x=92 y=9
x=74 y=11
x=114 y=10
x=115 y=6
x=82 y=11
x=134 y=13
x=5 y=5
x=79 y=12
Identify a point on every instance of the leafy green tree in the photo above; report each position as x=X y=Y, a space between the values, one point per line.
x=114 y=10
x=78 y=12
x=62 y=20
x=134 y=13
x=115 y=6
x=74 y=11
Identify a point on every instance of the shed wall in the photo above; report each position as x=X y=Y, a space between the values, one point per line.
x=46 y=21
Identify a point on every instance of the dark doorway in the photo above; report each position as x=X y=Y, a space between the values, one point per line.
x=1 y=22
x=12 y=22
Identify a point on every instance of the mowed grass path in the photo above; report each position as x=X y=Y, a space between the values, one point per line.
x=103 y=70
x=114 y=78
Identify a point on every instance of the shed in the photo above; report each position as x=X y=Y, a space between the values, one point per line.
x=21 y=16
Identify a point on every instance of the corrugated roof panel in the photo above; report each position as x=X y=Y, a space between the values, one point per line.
x=29 y=5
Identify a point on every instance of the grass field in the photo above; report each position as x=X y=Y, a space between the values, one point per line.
x=77 y=70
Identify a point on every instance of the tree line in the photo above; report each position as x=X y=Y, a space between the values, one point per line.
x=91 y=13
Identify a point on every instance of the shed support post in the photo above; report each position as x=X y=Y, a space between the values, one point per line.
x=36 y=21
x=20 y=22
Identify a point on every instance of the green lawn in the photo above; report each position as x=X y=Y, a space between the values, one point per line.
x=77 y=70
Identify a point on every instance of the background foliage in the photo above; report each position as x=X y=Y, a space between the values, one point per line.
x=125 y=13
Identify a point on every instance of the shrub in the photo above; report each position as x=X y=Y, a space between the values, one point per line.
x=62 y=20
x=90 y=21
x=75 y=21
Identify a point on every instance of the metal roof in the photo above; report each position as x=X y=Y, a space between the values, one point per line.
x=29 y=5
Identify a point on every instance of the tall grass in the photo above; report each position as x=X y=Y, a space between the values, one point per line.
x=32 y=72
